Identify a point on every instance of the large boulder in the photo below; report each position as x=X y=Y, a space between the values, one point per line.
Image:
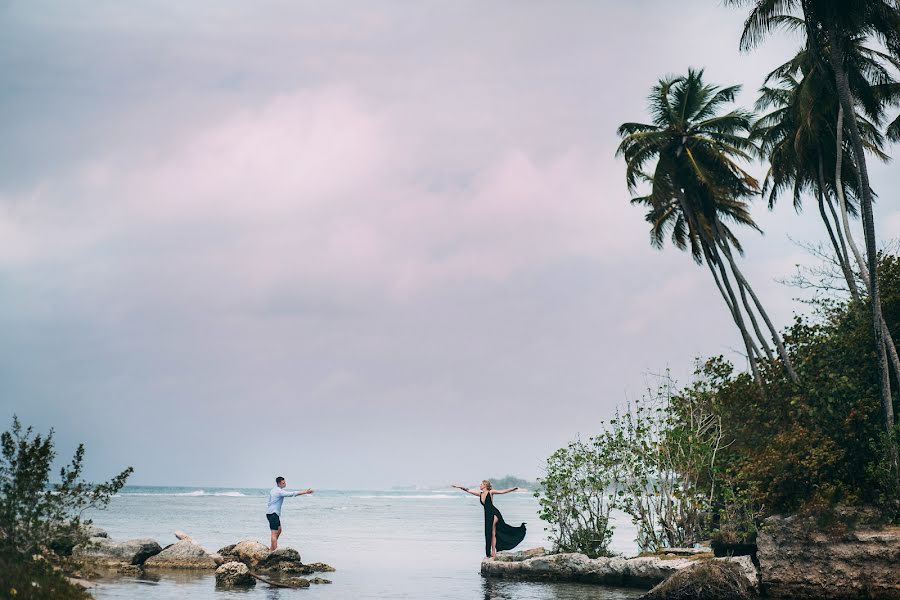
x=234 y=574
x=854 y=556
x=249 y=552
x=635 y=572
x=182 y=555
x=287 y=561
x=713 y=579
x=104 y=552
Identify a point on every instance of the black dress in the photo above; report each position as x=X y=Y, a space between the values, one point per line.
x=508 y=537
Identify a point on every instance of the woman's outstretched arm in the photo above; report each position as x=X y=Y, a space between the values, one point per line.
x=506 y=491
x=459 y=487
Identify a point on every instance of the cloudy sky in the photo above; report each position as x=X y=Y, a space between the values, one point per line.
x=361 y=245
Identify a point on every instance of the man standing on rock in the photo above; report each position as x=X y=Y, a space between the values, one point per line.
x=273 y=509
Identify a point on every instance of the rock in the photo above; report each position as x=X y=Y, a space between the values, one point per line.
x=287 y=560
x=715 y=579
x=234 y=574
x=644 y=571
x=182 y=555
x=854 y=557
x=320 y=567
x=520 y=555
x=106 y=553
x=278 y=557
x=299 y=582
x=319 y=580
x=93 y=531
x=133 y=570
x=249 y=552
x=635 y=572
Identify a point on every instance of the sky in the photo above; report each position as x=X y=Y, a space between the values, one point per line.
x=357 y=244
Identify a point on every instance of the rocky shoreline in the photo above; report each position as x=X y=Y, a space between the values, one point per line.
x=240 y=564
x=640 y=572
x=854 y=557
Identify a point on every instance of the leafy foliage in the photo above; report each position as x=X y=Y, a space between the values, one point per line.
x=35 y=514
x=576 y=497
x=40 y=522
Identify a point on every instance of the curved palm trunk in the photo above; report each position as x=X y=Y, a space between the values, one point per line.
x=759 y=334
x=840 y=248
x=711 y=250
x=846 y=103
x=890 y=347
x=752 y=350
x=709 y=263
x=776 y=337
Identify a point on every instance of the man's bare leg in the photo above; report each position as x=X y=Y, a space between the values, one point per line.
x=276 y=533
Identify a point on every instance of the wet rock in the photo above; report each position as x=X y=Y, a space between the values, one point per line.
x=104 y=552
x=234 y=574
x=644 y=571
x=182 y=555
x=249 y=552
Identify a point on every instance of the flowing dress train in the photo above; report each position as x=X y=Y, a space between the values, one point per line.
x=508 y=537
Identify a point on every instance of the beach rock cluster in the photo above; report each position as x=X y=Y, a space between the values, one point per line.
x=854 y=556
x=259 y=559
x=132 y=556
x=640 y=572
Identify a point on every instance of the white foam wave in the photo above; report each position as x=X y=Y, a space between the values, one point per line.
x=185 y=494
x=411 y=496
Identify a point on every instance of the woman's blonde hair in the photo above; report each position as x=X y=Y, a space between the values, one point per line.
x=487 y=484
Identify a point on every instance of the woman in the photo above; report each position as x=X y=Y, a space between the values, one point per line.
x=497 y=534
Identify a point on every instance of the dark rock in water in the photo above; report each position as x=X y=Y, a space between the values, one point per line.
x=182 y=555
x=319 y=580
x=318 y=567
x=853 y=556
x=234 y=574
x=707 y=580
x=106 y=553
x=297 y=582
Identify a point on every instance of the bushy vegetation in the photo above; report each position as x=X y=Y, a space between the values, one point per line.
x=711 y=459
x=811 y=423
x=40 y=521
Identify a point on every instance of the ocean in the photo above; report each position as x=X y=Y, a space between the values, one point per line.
x=384 y=544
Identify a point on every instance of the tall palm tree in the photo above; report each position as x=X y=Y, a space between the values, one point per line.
x=833 y=28
x=798 y=138
x=697 y=186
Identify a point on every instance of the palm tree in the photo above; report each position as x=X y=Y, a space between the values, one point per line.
x=798 y=137
x=697 y=186
x=833 y=29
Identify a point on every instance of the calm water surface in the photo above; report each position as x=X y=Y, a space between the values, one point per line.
x=383 y=544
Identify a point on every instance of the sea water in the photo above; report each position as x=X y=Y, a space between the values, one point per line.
x=394 y=544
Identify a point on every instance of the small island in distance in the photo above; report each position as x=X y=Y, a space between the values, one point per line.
x=498 y=483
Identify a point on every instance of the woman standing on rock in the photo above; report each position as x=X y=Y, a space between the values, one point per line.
x=497 y=534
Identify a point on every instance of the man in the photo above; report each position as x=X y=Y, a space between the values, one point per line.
x=273 y=510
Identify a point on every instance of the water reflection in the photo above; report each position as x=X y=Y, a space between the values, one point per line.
x=498 y=589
